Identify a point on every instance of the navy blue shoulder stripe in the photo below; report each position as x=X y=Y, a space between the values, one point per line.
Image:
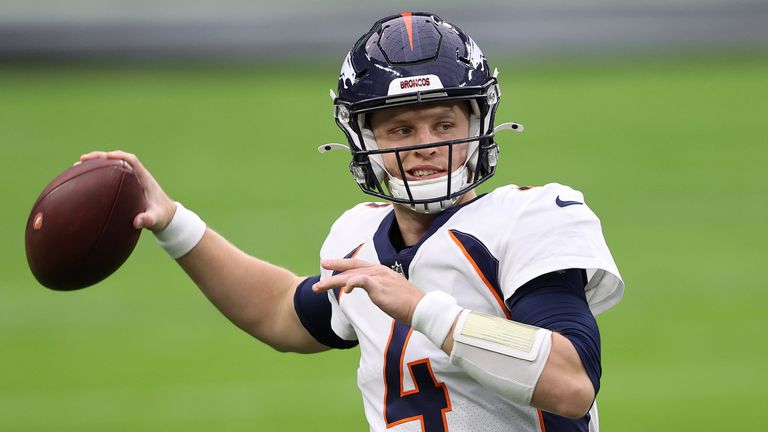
x=486 y=263
x=352 y=254
x=314 y=312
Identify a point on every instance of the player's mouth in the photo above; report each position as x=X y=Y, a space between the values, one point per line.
x=424 y=173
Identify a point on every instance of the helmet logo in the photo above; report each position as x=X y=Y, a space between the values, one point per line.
x=347 y=75
x=475 y=56
x=414 y=83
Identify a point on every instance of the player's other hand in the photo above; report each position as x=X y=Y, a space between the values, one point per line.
x=388 y=290
x=160 y=208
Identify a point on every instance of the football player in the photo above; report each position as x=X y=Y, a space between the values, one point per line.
x=472 y=312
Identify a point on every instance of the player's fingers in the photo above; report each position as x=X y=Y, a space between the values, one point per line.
x=115 y=154
x=330 y=283
x=335 y=281
x=131 y=158
x=146 y=179
x=357 y=281
x=120 y=154
x=160 y=208
x=93 y=155
x=345 y=264
x=151 y=186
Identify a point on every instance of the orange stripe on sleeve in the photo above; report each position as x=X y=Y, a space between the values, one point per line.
x=541 y=420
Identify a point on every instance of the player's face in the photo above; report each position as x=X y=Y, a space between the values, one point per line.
x=407 y=126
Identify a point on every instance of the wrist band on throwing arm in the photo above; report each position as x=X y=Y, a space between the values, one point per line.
x=505 y=356
x=183 y=233
x=434 y=315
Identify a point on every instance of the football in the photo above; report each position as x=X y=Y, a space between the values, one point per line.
x=80 y=229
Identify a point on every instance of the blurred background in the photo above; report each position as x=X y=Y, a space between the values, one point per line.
x=655 y=109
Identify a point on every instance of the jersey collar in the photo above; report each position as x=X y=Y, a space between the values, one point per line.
x=400 y=260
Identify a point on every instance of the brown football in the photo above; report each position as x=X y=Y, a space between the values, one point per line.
x=81 y=229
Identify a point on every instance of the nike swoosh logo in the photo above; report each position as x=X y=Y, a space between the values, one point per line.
x=561 y=203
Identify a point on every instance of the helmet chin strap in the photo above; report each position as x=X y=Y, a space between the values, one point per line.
x=474 y=130
x=371 y=144
x=430 y=189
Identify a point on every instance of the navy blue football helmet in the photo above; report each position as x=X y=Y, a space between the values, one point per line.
x=410 y=59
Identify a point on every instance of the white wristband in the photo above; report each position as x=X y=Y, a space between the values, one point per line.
x=434 y=316
x=183 y=233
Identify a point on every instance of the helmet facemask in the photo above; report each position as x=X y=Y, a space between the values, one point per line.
x=430 y=195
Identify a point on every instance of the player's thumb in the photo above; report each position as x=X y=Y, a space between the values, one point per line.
x=143 y=220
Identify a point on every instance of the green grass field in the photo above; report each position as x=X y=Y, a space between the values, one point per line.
x=670 y=153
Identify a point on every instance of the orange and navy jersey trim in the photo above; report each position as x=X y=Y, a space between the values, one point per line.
x=541 y=421
x=525 y=188
x=377 y=205
x=485 y=264
x=314 y=312
x=338 y=291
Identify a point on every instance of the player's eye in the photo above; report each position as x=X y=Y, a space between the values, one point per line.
x=402 y=131
x=444 y=127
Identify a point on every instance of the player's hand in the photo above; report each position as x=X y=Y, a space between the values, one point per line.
x=160 y=208
x=388 y=290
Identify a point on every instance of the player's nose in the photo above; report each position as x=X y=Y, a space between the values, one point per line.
x=426 y=136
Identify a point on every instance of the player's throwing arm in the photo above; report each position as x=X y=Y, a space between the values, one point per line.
x=255 y=295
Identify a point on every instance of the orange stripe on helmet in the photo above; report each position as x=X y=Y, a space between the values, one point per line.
x=408 y=26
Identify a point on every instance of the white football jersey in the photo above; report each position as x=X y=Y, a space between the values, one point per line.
x=479 y=253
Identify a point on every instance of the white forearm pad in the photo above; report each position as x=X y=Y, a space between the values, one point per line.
x=434 y=315
x=182 y=234
x=504 y=356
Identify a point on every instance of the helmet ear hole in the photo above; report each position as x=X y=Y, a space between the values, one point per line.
x=487 y=157
x=364 y=174
x=371 y=180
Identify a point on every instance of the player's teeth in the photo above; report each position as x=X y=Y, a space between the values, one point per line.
x=423 y=173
